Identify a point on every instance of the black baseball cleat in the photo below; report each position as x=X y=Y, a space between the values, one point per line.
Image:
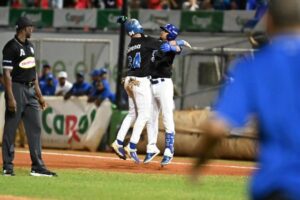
x=8 y=172
x=43 y=172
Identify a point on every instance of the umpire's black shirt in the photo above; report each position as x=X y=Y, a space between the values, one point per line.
x=140 y=54
x=19 y=56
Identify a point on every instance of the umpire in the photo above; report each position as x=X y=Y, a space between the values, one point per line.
x=23 y=99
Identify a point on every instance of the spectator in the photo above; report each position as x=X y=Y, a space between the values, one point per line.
x=82 y=4
x=1 y=83
x=16 y=4
x=104 y=87
x=48 y=88
x=45 y=71
x=191 y=5
x=63 y=86
x=57 y=4
x=68 y=4
x=95 y=92
x=79 y=88
x=4 y=2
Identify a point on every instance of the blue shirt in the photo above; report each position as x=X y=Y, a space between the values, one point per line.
x=81 y=89
x=268 y=86
x=48 y=90
x=106 y=93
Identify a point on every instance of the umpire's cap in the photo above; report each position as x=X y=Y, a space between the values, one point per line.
x=23 y=22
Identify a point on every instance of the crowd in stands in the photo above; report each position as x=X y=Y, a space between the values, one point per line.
x=135 y=4
x=96 y=91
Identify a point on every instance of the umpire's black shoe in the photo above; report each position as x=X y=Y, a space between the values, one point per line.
x=8 y=172
x=42 y=172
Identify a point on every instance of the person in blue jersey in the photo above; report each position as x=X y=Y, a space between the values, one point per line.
x=95 y=92
x=79 y=88
x=265 y=87
x=104 y=87
x=46 y=70
x=48 y=88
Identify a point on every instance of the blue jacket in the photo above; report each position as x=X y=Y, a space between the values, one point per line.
x=268 y=88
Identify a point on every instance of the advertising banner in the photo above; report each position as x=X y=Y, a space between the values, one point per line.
x=153 y=19
x=234 y=20
x=4 y=16
x=107 y=19
x=205 y=21
x=71 y=124
x=40 y=17
x=75 y=18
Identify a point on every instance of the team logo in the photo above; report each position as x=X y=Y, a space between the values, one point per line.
x=32 y=50
x=22 y=52
x=27 y=63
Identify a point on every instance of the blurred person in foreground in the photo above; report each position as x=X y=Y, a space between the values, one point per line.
x=79 y=88
x=63 y=85
x=266 y=88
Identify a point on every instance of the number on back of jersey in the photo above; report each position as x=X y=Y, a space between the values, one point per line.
x=135 y=63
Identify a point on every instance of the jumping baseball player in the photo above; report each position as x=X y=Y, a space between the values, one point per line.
x=163 y=92
x=137 y=84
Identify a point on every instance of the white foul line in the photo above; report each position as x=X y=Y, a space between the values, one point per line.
x=113 y=158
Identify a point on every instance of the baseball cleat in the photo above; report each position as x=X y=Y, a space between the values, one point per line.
x=119 y=150
x=166 y=160
x=132 y=154
x=43 y=172
x=8 y=172
x=150 y=156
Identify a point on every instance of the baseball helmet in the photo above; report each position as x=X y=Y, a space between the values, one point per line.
x=133 y=26
x=171 y=30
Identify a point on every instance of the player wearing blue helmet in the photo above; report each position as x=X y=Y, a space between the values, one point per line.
x=137 y=84
x=133 y=26
x=163 y=92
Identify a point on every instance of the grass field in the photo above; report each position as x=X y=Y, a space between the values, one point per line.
x=93 y=184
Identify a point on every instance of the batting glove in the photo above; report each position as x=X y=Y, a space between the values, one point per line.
x=121 y=19
x=166 y=47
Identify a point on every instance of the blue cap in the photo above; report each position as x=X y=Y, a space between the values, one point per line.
x=49 y=76
x=95 y=72
x=103 y=71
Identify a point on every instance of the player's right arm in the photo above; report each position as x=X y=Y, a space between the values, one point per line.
x=7 y=64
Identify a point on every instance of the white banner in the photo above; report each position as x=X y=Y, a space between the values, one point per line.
x=71 y=124
x=4 y=16
x=75 y=18
x=153 y=19
x=234 y=20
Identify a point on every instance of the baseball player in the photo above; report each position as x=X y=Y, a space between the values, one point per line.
x=23 y=99
x=163 y=92
x=137 y=84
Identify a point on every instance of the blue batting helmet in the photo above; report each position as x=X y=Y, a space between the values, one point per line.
x=172 y=30
x=133 y=26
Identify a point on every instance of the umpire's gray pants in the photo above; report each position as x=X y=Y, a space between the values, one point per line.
x=29 y=111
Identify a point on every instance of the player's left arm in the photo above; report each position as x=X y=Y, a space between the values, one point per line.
x=38 y=93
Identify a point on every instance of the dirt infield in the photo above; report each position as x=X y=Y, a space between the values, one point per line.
x=110 y=162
